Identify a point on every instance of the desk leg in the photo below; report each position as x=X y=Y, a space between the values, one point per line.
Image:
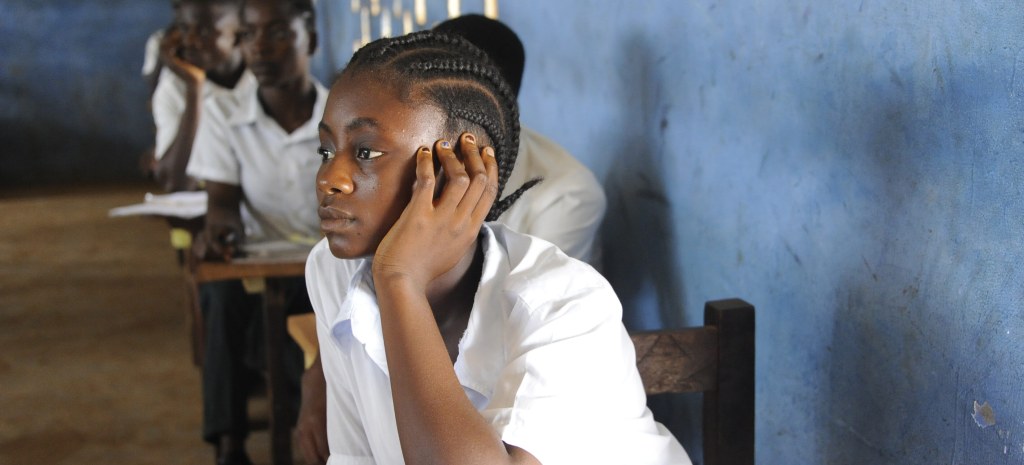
x=281 y=414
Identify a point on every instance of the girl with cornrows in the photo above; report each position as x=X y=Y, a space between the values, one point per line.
x=445 y=339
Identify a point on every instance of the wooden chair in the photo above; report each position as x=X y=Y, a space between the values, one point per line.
x=716 y=359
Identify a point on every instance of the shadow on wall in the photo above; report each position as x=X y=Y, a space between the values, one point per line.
x=912 y=339
x=639 y=233
x=639 y=243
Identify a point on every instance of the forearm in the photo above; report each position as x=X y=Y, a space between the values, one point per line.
x=224 y=228
x=170 y=168
x=437 y=424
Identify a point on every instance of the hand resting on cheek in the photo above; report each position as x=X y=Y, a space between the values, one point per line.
x=434 y=232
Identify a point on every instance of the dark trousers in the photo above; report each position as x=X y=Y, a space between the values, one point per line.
x=235 y=353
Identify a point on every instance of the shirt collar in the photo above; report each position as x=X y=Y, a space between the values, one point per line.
x=481 y=353
x=250 y=110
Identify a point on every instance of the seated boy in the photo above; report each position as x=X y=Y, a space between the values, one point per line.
x=201 y=63
x=262 y=156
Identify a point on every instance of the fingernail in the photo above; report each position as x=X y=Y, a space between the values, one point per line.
x=488 y=151
x=446 y=144
x=470 y=138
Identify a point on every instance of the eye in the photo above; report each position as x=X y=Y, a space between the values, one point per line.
x=367 y=154
x=325 y=154
x=280 y=34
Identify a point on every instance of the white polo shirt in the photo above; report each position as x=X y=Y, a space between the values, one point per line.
x=152 y=52
x=545 y=359
x=276 y=170
x=566 y=208
x=169 y=104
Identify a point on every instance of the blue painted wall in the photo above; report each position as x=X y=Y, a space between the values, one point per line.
x=72 y=100
x=852 y=168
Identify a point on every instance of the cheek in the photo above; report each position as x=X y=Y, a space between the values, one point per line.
x=390 y=191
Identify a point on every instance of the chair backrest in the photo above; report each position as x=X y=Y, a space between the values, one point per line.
x=716 y=359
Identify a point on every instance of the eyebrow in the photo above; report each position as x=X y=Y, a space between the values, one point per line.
x=358 y=123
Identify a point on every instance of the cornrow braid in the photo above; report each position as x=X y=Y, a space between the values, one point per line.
x=462 y=82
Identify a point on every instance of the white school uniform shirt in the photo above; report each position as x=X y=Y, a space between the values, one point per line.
x=169 y=104
x=545 y=359
x=276 y=170
x=566 y=208
x=152 y=51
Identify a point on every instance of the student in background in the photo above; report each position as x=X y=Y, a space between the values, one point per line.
x=567 y=207
x=262 y=156
x=152 y=65
x=201 y=63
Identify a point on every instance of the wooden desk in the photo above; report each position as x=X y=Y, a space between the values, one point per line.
x=272 y=270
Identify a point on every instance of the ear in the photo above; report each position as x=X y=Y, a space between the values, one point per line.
x=313 y=39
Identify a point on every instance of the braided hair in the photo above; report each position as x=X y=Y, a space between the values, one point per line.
x=462 y=82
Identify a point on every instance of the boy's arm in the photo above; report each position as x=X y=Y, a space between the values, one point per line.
x=436 y=421
x=223 y=230
x=170 y=166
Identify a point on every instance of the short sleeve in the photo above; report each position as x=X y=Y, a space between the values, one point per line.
x=213 y=155
x=152 y=52
x=570 y=390
x=168 y=106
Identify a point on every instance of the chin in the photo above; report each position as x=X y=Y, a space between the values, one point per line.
x=345 y=249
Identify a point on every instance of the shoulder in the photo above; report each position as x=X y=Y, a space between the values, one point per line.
x=329 y=280
x=321 y=98
x=535 y=146
x=321 y=262
x=561 y=172
x=227 y=103
x=546 y=283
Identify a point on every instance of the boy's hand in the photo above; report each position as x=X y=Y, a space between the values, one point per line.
x=170 y=54
x=217 y=241
x=432 y=235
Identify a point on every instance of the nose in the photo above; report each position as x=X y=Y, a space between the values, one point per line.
x=335 y=176
x=262 y=44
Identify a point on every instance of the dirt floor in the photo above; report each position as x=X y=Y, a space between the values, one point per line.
x=95 y=362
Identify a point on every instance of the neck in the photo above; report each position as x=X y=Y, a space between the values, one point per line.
x=289 y=104
x=451 y=294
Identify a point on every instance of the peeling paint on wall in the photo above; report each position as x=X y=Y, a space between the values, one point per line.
x=983 y=415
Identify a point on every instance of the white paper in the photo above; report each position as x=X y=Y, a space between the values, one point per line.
x=186 y=205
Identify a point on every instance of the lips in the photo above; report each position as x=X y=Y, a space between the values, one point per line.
x=332 y=219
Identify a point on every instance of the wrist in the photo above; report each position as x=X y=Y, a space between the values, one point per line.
x=392 y=281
